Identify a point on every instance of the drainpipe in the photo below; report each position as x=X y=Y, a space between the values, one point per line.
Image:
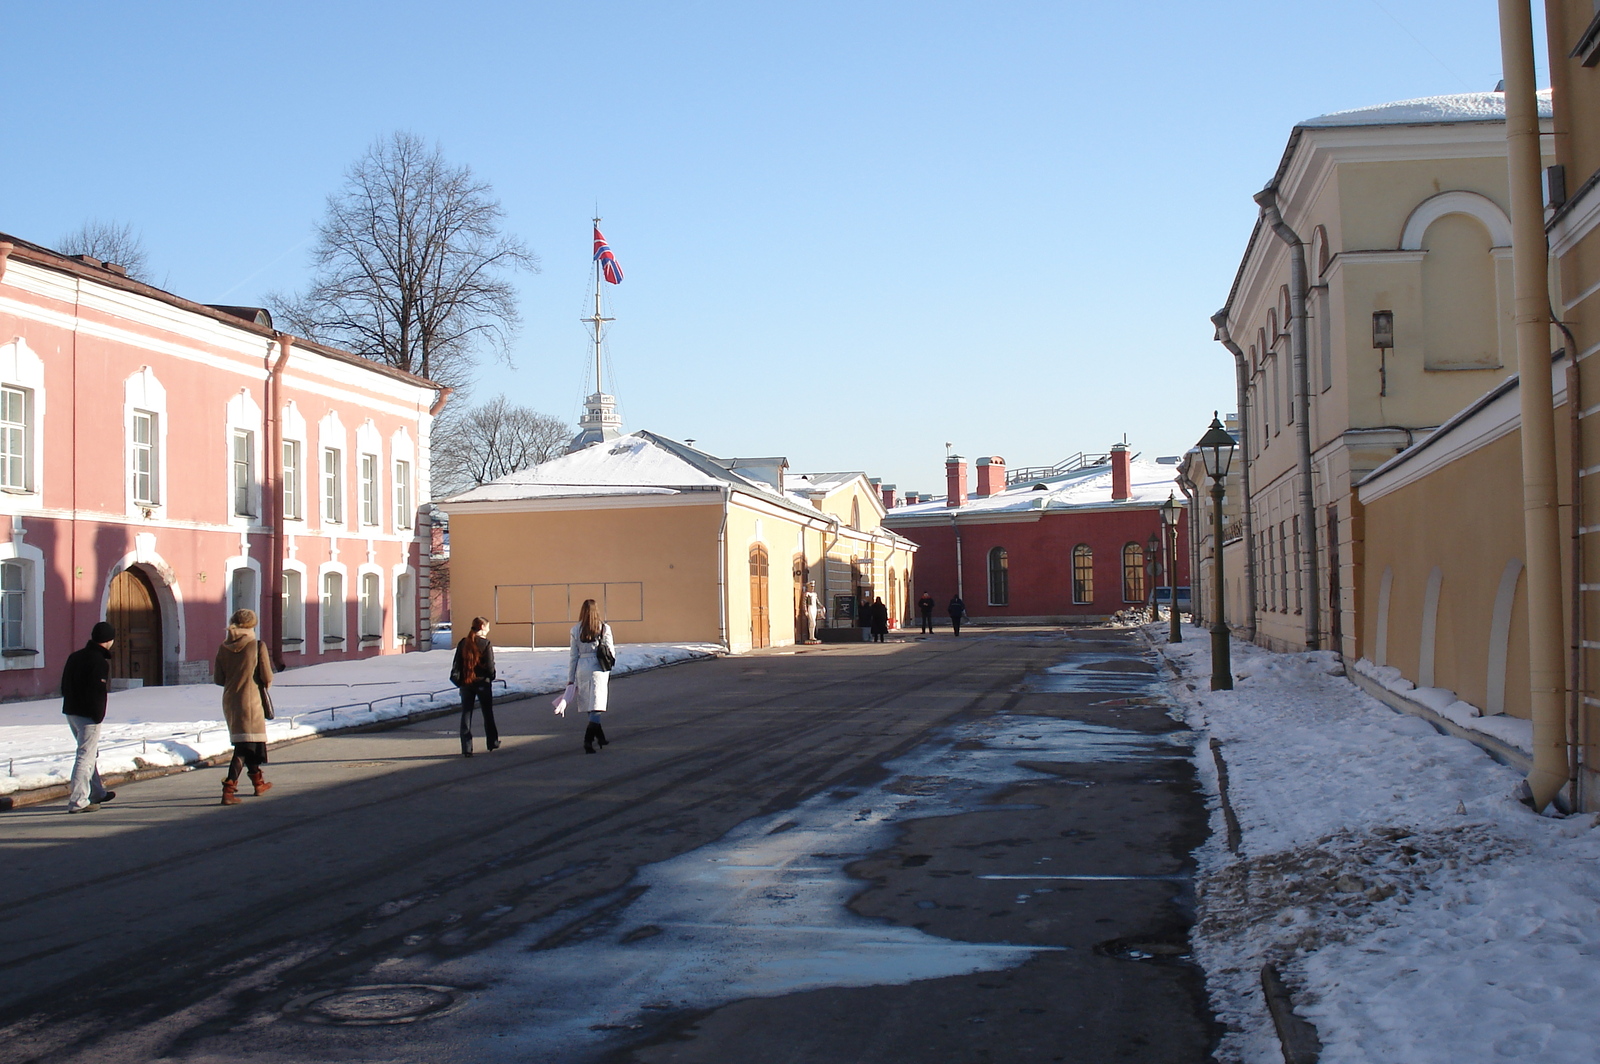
x=827 y=548
x=1241 y=377
x=722 y=566
x=438 y=404
x=1268 y=199
x=273 y=490
x=5 y=253
x=1530 y=260
x=955 y=528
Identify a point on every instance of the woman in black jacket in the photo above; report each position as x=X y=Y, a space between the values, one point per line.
x=473 y=672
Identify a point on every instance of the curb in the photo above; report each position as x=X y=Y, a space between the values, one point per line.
x=1296 y=1036
x=37 y=795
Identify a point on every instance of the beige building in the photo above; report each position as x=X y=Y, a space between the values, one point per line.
x=1196 y=487
x=1397 y=316
x=679 y=546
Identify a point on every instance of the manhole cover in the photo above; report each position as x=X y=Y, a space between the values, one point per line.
x=367 y=1006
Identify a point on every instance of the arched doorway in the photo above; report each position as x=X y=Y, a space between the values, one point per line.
x=134 y=612
x=760 y=619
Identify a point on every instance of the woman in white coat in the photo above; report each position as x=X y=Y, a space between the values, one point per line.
x=585 y=672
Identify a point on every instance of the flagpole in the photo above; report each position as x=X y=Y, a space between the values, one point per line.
x=597 y=319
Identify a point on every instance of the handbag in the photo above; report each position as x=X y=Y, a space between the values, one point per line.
x=604 y=656
x=261 y=688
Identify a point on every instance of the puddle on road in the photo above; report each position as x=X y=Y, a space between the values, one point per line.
x=763 y=910
x=1094 y=674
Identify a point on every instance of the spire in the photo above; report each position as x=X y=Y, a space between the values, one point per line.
x=600 y=420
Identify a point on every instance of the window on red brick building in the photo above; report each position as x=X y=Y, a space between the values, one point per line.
x=999 y=578
x=1082 y=574
x=1133 y=573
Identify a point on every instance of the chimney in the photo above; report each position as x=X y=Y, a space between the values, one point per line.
x=991 y=476
x=955 y=480
x=912 y=498
x=1120 y=491
x=889 y=496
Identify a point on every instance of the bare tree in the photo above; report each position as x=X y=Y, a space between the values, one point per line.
x=485 y=442
x=108 y=242
x=411 y=265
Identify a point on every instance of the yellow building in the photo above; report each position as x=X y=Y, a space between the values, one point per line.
x=679 y=546
x=1373 y=302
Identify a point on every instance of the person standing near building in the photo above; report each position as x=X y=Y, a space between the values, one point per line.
x=244 y=673
x=958 y=612
x=925 y=607
x=473 y=672
x=591 y=642
x=85 y=683
x=880 y=621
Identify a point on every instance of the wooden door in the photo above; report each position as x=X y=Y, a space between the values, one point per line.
x=135 y=614
x=760 y=618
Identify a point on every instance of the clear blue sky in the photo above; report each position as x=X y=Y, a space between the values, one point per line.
x=851 y=231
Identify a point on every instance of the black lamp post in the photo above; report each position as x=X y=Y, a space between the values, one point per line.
x=1169 y=526
x=1216 y=450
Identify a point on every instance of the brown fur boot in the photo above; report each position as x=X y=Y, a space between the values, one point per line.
x=230 y=794
x=260 y=784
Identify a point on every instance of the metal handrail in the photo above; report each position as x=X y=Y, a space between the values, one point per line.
x=1081 y=460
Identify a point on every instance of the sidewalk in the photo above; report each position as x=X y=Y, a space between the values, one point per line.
x=1416 y=910
x=158 y=728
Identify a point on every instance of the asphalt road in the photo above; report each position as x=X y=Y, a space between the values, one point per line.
x=1015 y=885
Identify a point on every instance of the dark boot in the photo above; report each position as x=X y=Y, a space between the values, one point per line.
x=259 y=782
x=230 y=795
x=600 y=734
x=588 y=737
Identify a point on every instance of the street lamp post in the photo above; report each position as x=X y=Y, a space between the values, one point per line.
x=1216 y=449
x=1169 y=524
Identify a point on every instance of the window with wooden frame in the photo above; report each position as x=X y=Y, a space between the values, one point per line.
x=1082 y=574
x=1133 y=573
x=999 y=578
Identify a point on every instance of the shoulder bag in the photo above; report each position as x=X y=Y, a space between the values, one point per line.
x=604 y=656
x=261 y=688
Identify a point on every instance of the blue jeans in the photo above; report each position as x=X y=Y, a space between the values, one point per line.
x=86 y=785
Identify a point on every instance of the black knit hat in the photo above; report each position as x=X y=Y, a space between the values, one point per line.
x=102 y=632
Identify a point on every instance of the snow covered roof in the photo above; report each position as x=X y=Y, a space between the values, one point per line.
x=1427 y=110
x=1150 y=483
x=828 y=482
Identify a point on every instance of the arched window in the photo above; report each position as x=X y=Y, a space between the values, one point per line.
x=1082 y=574
x=332 y=611
x=1460 y=319
x=1133 y=573
x=999 y=578
x=371 y=611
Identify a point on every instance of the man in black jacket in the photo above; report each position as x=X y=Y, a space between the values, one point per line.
x=85 y=683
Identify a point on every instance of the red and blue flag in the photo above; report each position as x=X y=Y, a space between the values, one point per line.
x=607 y=260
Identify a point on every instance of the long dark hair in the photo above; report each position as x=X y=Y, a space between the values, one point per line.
x=589 y=621
x=470 y=654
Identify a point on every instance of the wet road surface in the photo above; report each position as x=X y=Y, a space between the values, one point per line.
x=932 y=850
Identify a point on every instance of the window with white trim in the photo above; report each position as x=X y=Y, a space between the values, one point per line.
x=14 y=605
x=16 y=439
x=332 y=485
x=146 y=459
x=369 y=489
x=291 y=480
x=244 y=473
x=332 y=610
x=405 y=608
x=371 y=607
x=402 y=495
x=294 y=610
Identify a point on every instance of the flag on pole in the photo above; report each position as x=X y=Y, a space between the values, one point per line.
x=607 y=260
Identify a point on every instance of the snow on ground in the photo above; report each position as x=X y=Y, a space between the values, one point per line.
x=157 y=726
x=1417 y=911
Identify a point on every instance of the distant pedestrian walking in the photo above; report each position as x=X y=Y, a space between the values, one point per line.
x=244 y=672
x=880 y=621
x=593 y=652
x=85 y=683
x=958 y=612
x=473 y=672
x=925 y=607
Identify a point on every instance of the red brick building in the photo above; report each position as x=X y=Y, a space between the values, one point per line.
x=1071 y=542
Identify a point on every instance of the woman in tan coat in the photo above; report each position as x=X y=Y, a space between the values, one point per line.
x=244 y=670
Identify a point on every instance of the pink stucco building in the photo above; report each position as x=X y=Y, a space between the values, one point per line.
x=164 y=462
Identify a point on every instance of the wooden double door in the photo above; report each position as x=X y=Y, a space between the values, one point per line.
x=136 y=615
x=760 y=600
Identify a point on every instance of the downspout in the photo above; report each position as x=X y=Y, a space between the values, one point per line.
x=826 y=550
x=274 y=489
x=1530 y=262
x=1311 y=602
x=722 y=573
x=1241 y=375
x=438 y=404
x=955 y=528
x=5 y=253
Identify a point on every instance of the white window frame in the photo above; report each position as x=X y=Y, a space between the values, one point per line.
x=30 y=561
x=331 y=436
x=293 y=432
x=242 y=453
x=369 y=606
x=294 y=475
x=294 y=609
x=370 y=490
x=22 y=369
x=333 y=634
x=143 y=393
x=16 y=440
x=233 y=565
x=405 y=610
x=404 y=512
x=332 y=479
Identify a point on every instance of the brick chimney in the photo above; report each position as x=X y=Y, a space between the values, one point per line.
x=1120 y=490
x=991 y=476
x=955 y=481
x=890 y=496
x=912 y=498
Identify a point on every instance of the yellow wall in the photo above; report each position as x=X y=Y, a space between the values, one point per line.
x=670 y=549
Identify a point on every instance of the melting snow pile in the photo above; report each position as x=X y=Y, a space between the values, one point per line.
x=1417 y=911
